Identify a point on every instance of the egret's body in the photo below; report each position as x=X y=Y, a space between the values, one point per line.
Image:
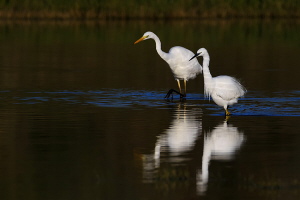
x=177 y=58
x=224 y=90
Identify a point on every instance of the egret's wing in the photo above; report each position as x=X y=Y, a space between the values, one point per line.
x=179 y=62
x=181 y=55
x=228 y=88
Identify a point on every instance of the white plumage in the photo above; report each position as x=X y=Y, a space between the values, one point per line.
x=177 y=58
x=224 y=90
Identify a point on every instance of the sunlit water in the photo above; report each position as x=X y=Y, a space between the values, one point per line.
x=83 y=114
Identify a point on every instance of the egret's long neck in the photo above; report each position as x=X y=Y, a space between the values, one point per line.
x=162 y=54
x=208 y=80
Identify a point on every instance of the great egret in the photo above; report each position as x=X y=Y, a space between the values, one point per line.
x=224 y=90
x=177 y=58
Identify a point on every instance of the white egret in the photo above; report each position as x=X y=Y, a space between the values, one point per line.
x=224 y=90
x=177 y=58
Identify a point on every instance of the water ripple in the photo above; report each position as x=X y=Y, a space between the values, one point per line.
x=283 y=103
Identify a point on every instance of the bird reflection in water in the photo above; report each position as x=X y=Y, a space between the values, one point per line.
x=168 y=164
x=173 y=145
x=219 y=144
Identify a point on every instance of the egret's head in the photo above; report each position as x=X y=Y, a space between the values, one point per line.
x=200 y=52
x=146 y=36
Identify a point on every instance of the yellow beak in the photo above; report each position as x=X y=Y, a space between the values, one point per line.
x=141 y=39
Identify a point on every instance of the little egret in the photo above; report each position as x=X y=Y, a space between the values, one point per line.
x=224 y=90
x=177 y=58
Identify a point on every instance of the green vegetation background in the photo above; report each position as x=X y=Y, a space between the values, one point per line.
x=148 y=9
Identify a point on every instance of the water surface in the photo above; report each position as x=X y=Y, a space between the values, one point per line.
x=83 y=114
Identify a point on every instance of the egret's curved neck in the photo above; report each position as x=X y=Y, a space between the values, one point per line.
x=162 y=54
x=208 y=81
x=206 y=72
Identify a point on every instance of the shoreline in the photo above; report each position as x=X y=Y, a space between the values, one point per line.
x=93 y=15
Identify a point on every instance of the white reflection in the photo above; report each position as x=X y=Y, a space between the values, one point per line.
x=220 y=144
x=174 y=142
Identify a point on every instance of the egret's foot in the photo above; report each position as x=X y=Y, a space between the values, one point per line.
x=170 y=92
x=227 y=113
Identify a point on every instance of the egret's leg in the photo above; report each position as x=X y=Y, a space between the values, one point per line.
x=227 y=112
x=178 y=82
x=184 y=87
x=172 y=90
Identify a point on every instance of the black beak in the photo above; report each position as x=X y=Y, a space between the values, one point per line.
x=197 y=54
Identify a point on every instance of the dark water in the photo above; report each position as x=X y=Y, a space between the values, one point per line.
x=83 y=115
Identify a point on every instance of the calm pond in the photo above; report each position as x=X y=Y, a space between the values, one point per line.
x=83 y=114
